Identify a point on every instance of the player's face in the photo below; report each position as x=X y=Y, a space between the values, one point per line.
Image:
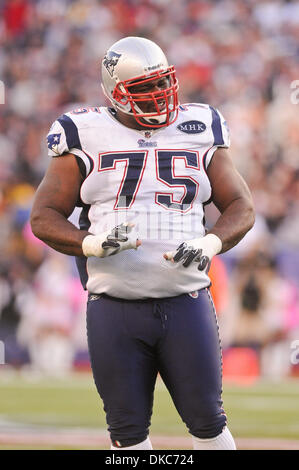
x=145 y=91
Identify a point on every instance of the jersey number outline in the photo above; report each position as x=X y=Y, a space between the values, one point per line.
x=165 y=172
x=134 y=166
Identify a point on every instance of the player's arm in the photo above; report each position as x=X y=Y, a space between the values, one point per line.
x=232 y=197
x=54 y=202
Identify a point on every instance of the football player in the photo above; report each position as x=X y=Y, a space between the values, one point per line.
x=142 y=171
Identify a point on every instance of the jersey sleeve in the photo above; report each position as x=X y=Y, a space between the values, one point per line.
x=63 y=137
x=220 y=134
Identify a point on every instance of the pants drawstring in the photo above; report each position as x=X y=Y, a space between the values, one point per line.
x=159 y=313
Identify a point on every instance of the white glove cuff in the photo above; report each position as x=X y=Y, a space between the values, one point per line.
x=92 y=245
x=214 y=243
x=210 y=245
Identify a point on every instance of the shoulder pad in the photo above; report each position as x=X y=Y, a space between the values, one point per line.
x=220 y=129
x=63 y=136
x=217 y=123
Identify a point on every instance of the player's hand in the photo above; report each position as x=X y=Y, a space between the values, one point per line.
x=199 y=250
x=111 y=242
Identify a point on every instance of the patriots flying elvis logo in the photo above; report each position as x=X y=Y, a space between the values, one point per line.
x=53 y=141
x=110 y=61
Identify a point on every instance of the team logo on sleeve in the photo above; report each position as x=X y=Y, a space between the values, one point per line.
x=53 y=141
x=192 y=127
x=110 y=61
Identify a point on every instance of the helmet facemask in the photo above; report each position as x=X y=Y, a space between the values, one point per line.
x=164 y=102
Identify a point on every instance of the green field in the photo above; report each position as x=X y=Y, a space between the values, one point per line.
x=263 y=410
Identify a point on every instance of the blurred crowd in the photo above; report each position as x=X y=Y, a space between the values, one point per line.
x=241 y=56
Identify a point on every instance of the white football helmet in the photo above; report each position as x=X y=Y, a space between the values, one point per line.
x=134 y=61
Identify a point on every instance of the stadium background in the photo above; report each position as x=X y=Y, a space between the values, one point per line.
x=240 y=56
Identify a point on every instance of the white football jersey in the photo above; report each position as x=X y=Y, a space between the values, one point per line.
x=154 y=179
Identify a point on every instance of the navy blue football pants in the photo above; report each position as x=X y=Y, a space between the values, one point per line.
x=131 y=341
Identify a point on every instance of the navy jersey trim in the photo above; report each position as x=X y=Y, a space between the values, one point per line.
x=71 y=132
x=204 y=160
x=81 y=166
x=91 y=164
x=81 y=261
x=216 y=127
